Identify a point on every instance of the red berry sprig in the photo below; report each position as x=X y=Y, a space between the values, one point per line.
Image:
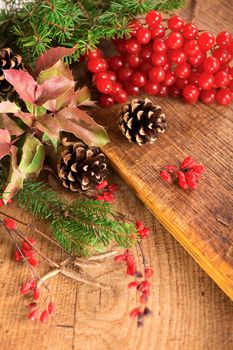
x=26 y=252
x=186 y=175
x=106 y=191
x=141 y=282
x=176 y=60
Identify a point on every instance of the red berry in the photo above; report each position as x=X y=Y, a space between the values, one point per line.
x=104 y=86
x=177 y=56
x=183 y=70
x=211 y=65
x=138 y=79
x=165 y=176
x=191 y=180
x=191 y=47
x=208 y=97
x=224 y=97
x=135 y=313
x=222 y=55
x=206 y=81
x=159 y=45
x=18 y=256
x=151 y=88
x=190 y=31
x=25 y=288
x=94 y=54
x=133 y=47
x=196 y=59
x=146 y=52
x=113 y=188
x=1 y=203
x=153 y=18
x=124 y=74
x=33 y=262
x=131 y=89
x=44 y=317
x=164 y=91
x=51 y=308
x=139 y=225
x=96 y=65
x=149 y=272
x=33 y=306
x=176 y=23
x=222 y=79
x=158 y=32
x=145 y=67
x=182 y=180
x=188 y=162
x=174 y=40
x=193 y=78
x=144 y=232
x=134 y=26
x=230 y=86
x=206 y=41
x=33 y=315
x=181 y=83
x=36 y=294
x=10 y=224
x=26 y=245
x=133 y=60
x=224 y=39
x=175 y=91
x=27 y=253
x=156 y=74
x=169 y=79
x=116 y=62
x=191 y=93
x=102 y=185
x=133 y=284
x=159 y=59
x=143 y=36
x=106 y=101
x=116 y=87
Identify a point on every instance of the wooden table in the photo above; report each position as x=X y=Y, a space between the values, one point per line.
x=190 y=312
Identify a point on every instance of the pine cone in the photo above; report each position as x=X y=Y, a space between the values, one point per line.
x=81 y=167
x=141 y=121
x=8 y=60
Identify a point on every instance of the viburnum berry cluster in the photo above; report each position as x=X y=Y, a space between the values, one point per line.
x=186 y=175
x=166 y=59
x=141 y=283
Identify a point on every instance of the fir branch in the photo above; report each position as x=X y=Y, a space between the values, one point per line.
x=81 y=226
x=42 y=24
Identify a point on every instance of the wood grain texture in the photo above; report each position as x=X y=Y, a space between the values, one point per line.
x=200 y=220
x=189 y=311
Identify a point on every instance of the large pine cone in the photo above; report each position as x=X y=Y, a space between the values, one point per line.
x=81 y=167
x=141 y=121
x=8 y=60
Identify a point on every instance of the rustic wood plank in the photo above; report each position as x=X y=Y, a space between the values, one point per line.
x=201 y=220
x=189 y=311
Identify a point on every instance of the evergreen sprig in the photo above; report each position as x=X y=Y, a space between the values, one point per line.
x=81 y=227
x=45 y=23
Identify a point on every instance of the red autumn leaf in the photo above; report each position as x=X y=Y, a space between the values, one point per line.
x=23 y=83
x=52 y=88
x=80 y=124
x=7 y=123
x=5 y=140
x=48 y=125
x=8 y=107
x=52 y=56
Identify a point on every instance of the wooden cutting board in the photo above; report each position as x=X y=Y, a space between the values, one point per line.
x=200 y=220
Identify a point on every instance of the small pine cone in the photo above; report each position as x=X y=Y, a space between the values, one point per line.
x=141 y=121
x=8 y=60
x=81 y=167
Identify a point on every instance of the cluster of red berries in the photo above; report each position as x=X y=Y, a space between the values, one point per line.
x=178 y=60
x=142 y=230
x=34 y=313
x=187 y=174
x=27 y=252
x=107 y=191
x=141 y=284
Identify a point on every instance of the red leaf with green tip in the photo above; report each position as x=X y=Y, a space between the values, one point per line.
x=52 y=56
